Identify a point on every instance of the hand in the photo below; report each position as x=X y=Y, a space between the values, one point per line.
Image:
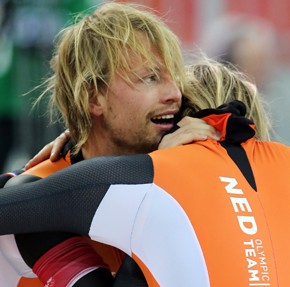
x=191 y=129
x=50 y=151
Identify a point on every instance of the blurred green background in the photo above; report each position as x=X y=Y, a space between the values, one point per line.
x=28 y=29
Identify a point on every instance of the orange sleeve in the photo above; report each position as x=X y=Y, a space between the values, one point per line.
x=29 y=282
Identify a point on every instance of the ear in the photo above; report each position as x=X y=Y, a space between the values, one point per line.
x=95 y=107
x=97 y=103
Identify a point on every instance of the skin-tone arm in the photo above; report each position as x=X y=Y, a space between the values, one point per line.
x=191 y=129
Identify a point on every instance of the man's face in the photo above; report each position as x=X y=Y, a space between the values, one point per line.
x=136 y=115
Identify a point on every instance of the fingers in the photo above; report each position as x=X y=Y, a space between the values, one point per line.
x=41 y=156
x=50 y=151
x=191 y=129
x=58 y=144
x=199 y=128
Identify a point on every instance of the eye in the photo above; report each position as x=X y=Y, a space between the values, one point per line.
x=150 y=79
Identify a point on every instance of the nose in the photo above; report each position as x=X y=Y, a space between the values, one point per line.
x=172 y=93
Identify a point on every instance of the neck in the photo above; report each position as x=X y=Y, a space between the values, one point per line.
x=96 y=147
x=97 y=143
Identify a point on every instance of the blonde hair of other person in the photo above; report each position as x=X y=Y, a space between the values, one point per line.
x=90 y=52
x=211 y=84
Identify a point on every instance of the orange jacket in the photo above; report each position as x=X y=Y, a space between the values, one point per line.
x=243 y=234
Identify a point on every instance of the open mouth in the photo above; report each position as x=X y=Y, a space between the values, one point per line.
x=165 y=119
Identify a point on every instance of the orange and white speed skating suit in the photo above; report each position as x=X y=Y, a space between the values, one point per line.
x=205 y=214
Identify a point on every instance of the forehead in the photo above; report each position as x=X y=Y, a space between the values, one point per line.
x=138 y=63
x=143 y=52
x=149 y=58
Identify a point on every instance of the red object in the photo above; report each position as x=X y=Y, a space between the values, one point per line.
x=66 y=261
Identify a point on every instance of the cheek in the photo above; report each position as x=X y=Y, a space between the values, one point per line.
x=124 y=113
x=132 y=117
x=132 y=107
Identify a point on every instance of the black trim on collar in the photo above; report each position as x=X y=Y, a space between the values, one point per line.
x=238 y=127
x=70 y=147
x=239 y=156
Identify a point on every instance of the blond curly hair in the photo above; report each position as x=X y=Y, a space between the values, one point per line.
x=211 y=84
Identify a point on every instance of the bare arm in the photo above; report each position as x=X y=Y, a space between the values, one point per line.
x=191 y=129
